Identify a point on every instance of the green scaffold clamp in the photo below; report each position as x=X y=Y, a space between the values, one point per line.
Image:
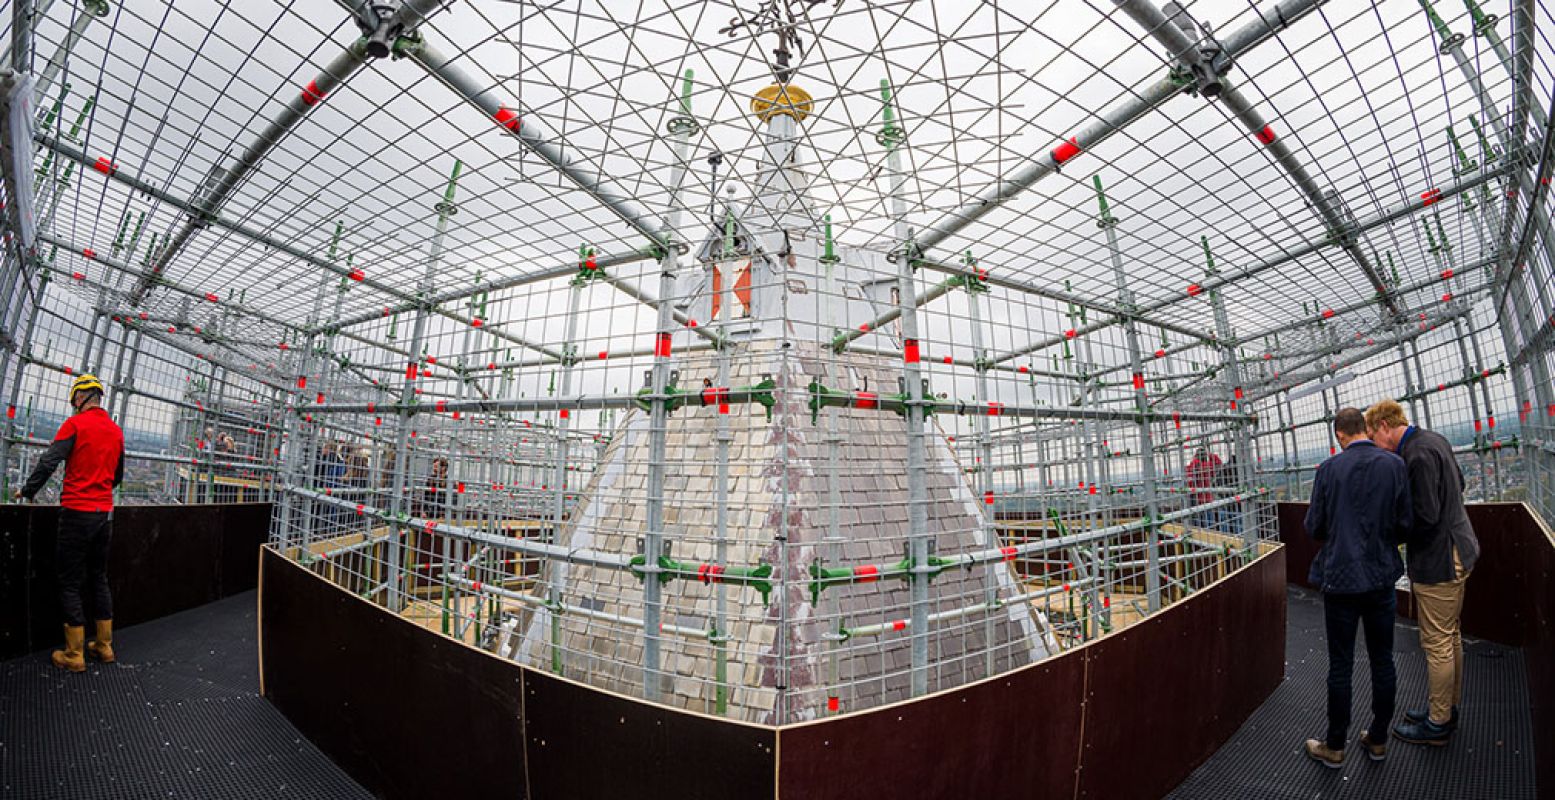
x=757 y=577
x=588 y=267
x=823 y=577
x=974 y=280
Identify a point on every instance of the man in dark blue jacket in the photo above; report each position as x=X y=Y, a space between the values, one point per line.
x=1360 y=508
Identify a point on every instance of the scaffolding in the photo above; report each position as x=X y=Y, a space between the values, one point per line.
x=777 y=360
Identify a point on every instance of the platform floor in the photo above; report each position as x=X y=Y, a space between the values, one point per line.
x=181 y=717
x=1490 y=758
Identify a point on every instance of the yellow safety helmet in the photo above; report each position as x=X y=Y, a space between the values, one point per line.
x=84 y=383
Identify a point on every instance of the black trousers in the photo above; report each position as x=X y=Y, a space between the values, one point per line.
x=1373 y=613
x=81 y=557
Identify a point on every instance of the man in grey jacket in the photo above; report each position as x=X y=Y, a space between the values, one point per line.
x=1441 y=549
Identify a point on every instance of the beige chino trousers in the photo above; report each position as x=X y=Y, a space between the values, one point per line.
x=1441 y=638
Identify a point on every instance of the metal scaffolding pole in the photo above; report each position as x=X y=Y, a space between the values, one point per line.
x=985 y=488
x=570 y=359
x=411 y=302
x=21 y=35
x=224 y=180
x=1248 y=528
x=655 y=681
x=920 y=540
x=723 y=437
x=24 y=346
x=405 y=412
x=1109 y=224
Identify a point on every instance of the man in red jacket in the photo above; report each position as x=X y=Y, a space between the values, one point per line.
x=1200 y=474
x=92 y=447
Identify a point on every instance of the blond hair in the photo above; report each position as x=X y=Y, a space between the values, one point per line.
x=1386 y=413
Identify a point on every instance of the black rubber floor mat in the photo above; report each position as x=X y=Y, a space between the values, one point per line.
x=179 y=716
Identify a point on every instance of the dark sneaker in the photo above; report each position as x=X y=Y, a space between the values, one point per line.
x=1423 y=713
x=1374 y=751
x=1325 y=755
x=1426 y=732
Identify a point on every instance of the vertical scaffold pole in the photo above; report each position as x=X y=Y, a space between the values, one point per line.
x=1478 y=214
x=1233 y=378
x=974 y=284
x=1411 y=391
x=569 y=361
x=406 y=409
x=298 y=449
x=1425 y=400
x=452 y=490
x=921 y=540
x=722 y=438
x=654 y=680
x=21 y=35
x=1109 y=223
x=23 y=359
x=1441 y=253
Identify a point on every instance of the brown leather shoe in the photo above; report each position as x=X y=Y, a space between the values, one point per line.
x=1374 y=751
x=101 y=648
x=70 y=658
x=1323 y=754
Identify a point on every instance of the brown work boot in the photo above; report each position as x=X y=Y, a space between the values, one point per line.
x=1374 y=750
x=101 y=648
x=70 y=658
x=1323 y=754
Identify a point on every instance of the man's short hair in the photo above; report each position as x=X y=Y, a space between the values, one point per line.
x=1386 y=413
x=1350 y=422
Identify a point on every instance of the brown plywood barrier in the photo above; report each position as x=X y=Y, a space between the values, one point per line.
x=1300 y=549
x=1495 y=605
x=404 y=711
x=408 y=712
x=1538 y=605
x=1163 y=695
x=162 y=559
x=1015 y=735
x=582 y=743
x=1128 y=715
x=1075 y=725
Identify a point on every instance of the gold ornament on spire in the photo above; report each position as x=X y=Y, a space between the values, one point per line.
x=782 y=98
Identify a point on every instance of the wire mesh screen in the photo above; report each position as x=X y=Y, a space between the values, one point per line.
x=788 y=364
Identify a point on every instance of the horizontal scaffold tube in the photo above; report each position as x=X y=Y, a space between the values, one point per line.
x=762 y=394
x=1011 y=552
x=823 y=577
x=582 y=611
x=822 y=397
x=708 y=396
x=164 y=458
x=592 y=558
x=903 y=624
